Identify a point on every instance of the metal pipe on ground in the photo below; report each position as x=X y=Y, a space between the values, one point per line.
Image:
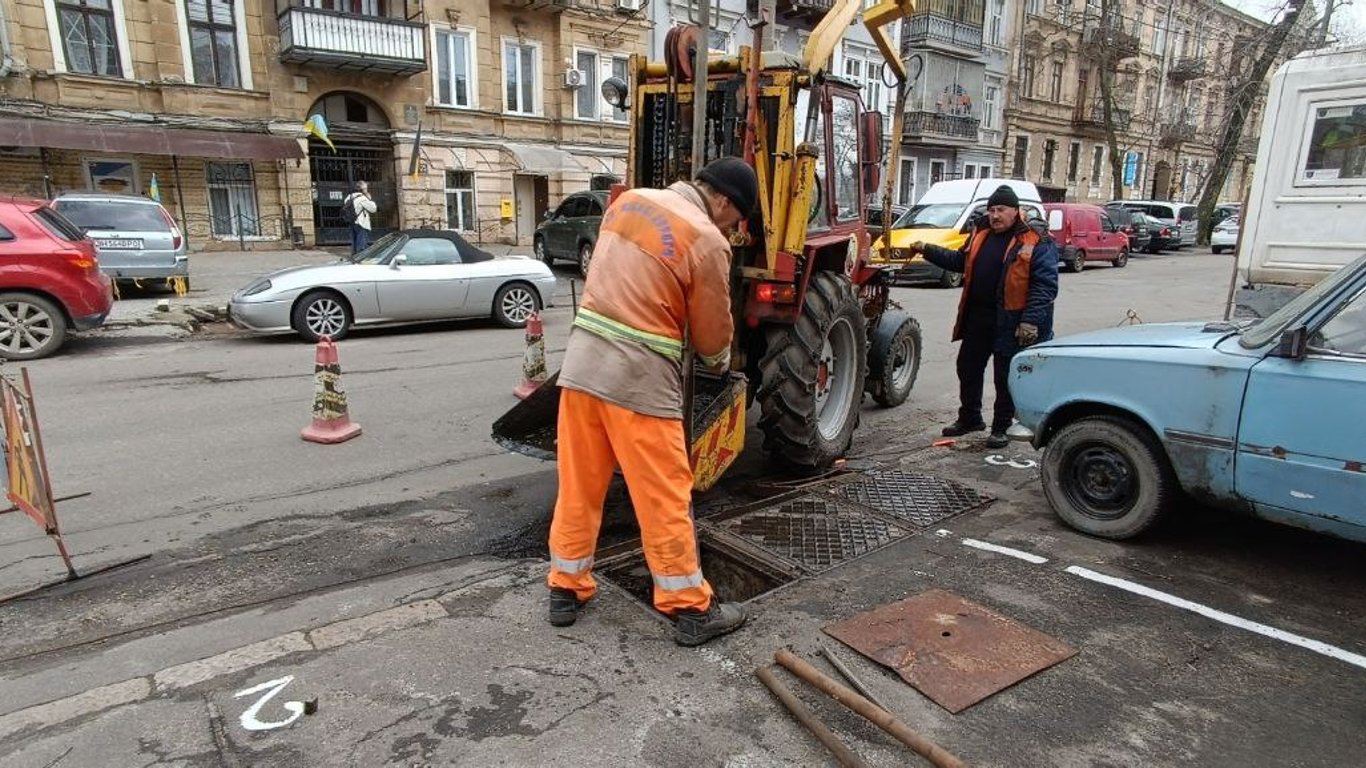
x=880 y=717
x=840 y=667
x=806 y=717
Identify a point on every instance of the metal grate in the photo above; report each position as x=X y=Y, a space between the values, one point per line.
x=921 y=500
x=818 y=533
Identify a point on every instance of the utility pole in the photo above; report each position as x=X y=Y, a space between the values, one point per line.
x=699 y=90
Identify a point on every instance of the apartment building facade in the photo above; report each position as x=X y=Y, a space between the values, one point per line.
x=210 y=97
x=1174 y=64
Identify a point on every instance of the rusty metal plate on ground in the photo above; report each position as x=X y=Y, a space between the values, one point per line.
x=816 y=532
x=949 y=648
x=919 y=499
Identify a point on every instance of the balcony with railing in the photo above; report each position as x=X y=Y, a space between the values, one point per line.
x=1187 y=68
x=1092 y=121
x=941 y=126
x=1176 y=130
x=1109 y=39
x=809 y=11
x=320 y=32
x=929 y=29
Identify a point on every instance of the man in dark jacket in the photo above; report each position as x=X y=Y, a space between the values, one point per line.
x=1010 y=279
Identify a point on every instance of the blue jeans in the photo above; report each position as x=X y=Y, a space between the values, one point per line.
x=360 y=238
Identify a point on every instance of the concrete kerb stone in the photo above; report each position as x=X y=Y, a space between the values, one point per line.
x=229 y=662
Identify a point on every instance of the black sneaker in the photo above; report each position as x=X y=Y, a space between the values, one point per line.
x=959 y=428
x=697 y=627
x=564 y=607
x=997 y=439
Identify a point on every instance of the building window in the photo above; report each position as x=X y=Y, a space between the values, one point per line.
x=1050 y=149
x=905 y=187
x=588 y=101
x=1027 y=77
x=460 y=200
x=1021 y=157
x=521 y=76
x=860 y=67
x=1055 y=85
x=718 y=40
x=213 y=42
x=455 y=85
x=1160 y=36
x=115 y=176
x=996 y=23
x=1033 y=7
x=88 y=34
x=991 y=95
x=936 y=171
x=969 y=171
x=232 y=200
x=984 y=171
x=1073 y=160
x=1097 y=161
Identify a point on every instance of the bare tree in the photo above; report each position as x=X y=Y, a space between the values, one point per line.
x=1242 y=100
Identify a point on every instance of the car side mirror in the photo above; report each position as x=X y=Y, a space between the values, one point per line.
x=399 y=261
x=1294 y=343
x=549 y=215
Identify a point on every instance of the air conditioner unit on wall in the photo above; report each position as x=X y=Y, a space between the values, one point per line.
x=573 y=78
x=629 y=6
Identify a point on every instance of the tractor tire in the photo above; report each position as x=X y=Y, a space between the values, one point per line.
x=812 y=377
x=893 y=358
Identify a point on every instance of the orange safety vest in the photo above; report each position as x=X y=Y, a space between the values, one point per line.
x=1016 y=294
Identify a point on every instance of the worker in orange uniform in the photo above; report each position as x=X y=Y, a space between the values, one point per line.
x=659 y=279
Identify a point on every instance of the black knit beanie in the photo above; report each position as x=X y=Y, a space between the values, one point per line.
x=732 y=178
x=1004 y=195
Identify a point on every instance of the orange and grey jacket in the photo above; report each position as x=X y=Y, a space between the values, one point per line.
x=659 y=276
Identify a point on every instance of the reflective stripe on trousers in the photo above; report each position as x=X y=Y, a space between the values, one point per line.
x=571 y=566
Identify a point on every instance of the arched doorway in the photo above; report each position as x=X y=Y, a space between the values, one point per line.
x=1162 y=181
x=365 y=152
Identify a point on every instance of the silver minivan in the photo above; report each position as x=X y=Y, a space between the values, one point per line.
x=1183 y=214
x=136 y=237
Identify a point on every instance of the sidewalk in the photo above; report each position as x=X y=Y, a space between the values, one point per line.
x=214 y=278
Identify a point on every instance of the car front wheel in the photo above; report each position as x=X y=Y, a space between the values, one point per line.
x=585 y=258
x=949 y=279
x=1107 y=476
x=1122 y=258
x=542 y=253
x=30 y=327
x=514 y=304
x=322 y=313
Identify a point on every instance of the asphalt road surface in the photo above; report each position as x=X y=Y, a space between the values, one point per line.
x=379 y=602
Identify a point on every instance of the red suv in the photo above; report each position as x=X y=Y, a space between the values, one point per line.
x=50 y=280
x=1086 y=232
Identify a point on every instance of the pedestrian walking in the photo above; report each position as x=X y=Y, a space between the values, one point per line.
x=660 y=275
x=356 y=211
x=1010 y=280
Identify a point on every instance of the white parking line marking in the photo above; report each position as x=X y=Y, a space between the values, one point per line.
x=1316 y=646
x=1028 y=557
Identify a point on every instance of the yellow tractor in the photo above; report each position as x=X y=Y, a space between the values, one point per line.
x=815 y=328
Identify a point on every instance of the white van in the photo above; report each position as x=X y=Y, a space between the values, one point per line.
x=1183 y=215
x=1306 y=213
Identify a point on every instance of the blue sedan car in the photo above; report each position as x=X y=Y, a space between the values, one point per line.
x=1267 y=418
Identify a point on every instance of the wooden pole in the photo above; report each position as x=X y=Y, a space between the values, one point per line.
x=806 y=717
x=875 y=714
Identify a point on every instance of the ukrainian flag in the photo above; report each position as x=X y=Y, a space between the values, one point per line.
x=154 y=189
x=317 y=126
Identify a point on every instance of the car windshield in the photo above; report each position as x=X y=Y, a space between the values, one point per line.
x=113 y=215
x=1276 y=323
x=931 y=216
x=381 y=250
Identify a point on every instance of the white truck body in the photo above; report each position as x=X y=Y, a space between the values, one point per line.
x=1306 y=212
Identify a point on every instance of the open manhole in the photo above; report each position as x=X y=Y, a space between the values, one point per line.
x=921 y=500
x=735 y=575
x=817 y=532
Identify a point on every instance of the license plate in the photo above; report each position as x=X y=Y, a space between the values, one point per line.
x=124 y=245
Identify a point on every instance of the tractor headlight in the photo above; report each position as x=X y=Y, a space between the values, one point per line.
x=614 y=91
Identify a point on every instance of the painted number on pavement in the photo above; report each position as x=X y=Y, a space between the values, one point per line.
x=997 y=460
x=271 y=689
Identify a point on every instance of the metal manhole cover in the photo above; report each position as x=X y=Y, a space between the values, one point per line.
x=818 y=533
x=922 y=500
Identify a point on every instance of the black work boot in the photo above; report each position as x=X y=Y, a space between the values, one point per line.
x=564 y=607
x=960 y=428
x=697 y=627
x=997 y=438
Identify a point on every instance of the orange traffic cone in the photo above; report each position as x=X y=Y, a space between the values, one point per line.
x=533 y=362
x=331 y=422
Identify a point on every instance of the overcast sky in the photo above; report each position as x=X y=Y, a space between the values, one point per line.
x=1266 y=9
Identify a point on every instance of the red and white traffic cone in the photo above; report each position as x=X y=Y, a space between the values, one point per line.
x=533 y=362
x=331 y=421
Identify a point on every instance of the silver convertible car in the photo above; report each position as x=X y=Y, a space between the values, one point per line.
x=410 y=276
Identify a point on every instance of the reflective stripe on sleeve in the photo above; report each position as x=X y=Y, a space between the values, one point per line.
x=606 y=327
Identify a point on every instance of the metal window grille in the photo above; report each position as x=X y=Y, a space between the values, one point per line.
x=232 y=200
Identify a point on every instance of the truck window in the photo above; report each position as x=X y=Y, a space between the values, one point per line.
x=1188 y=213
x=844 y=121
x=1345 y=334
x=1336 y=150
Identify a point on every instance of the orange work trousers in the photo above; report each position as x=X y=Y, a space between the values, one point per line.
x=595 y=437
